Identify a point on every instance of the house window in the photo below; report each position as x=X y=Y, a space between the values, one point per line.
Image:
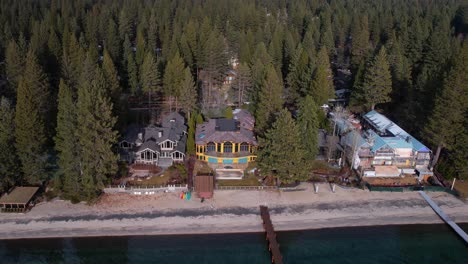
x=167 y=145
x=210 y=146
x=244 y=147
x=228 y=147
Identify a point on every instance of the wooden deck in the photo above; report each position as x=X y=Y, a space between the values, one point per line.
x=273 y=245
x=444 y=217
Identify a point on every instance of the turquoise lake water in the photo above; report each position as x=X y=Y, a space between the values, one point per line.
x=382 y=244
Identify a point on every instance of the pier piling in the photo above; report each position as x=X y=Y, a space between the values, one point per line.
x=273 y=245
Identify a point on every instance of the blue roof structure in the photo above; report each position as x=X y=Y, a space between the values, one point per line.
x=400 y=138
x=378 y=141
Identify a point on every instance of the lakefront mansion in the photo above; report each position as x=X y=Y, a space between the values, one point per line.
x=227 y=145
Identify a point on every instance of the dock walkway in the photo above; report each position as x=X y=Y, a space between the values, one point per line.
x=273 y=245
x=444 y=217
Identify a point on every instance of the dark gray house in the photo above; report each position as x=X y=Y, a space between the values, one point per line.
x=156 y=145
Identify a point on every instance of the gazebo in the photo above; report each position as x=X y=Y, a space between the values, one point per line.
x=18 y=199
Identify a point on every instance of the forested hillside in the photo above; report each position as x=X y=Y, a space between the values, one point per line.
x=68 y=68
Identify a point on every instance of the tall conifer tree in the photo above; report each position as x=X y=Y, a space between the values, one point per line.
x=9 y=170
x=95 y=134
x=14 y=66
x=188 y=93
x=31 y=111
x=270 y=100
x=447 y=126
x=66 y=143
x=281 y=152
x=173 y=77
x=308 y=123
x=377 y=83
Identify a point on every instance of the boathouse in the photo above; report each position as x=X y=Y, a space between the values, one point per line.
x=18 y=200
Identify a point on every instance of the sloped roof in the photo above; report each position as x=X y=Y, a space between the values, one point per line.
x=151 y=144
x=378 y=142
x=131 y=133
x=354 y=137
x=172 y=128
x=207 y=132
x=19 y=195
x=384 y=125
x=245 y=118
x=397 y=142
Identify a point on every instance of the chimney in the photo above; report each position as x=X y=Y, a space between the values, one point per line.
x=140 y=136
x=159 y=133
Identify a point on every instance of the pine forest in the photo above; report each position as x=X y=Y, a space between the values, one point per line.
x=71 y=71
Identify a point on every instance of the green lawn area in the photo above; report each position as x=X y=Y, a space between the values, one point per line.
x=248 y=180
x=462 y=188
x=153 y=181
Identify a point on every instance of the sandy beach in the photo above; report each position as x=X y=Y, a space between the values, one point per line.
x=228 y=212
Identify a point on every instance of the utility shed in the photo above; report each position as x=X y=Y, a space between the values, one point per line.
x=18 y=199
x=204 y=185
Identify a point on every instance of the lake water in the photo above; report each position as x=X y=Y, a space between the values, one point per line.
x=382 y=244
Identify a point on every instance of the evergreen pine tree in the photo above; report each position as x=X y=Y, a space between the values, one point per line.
x=243 y=83
x=14 y=66
x=188 y=93
x=360 y=40
x=9 y=171
x=214 y=63
x=199 y=119
x=66 y=143
x=110 y=73
x=270 y=100
x=281 y=152
x=308 y=124
x=377 y=84
x=298 y=78
x=132 y=71
x=191 y=135
x=321 y=87
x=140 y=48
x=112 y=44
x=447 y=125
x=95 y=135
x=150 y=78
x=173 y=78
x=31 y=110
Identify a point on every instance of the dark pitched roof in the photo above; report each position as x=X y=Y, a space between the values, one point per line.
x=131 y=133
x=172 y=128
x=207 y=132
x=150 y=144
x=19 y=195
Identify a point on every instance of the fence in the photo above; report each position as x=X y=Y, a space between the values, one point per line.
x=246 y=188
x=411 y=189
x=145 y=190
x=259 y=188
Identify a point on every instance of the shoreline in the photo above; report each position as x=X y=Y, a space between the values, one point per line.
x=229 y=212
x=119 y=233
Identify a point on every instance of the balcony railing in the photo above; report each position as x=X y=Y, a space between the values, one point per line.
x=228 y=154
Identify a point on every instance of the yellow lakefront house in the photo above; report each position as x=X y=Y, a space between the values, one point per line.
x=227 y=145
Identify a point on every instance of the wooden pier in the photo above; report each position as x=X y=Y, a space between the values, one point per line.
x=273 y=245
x=444 y=217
